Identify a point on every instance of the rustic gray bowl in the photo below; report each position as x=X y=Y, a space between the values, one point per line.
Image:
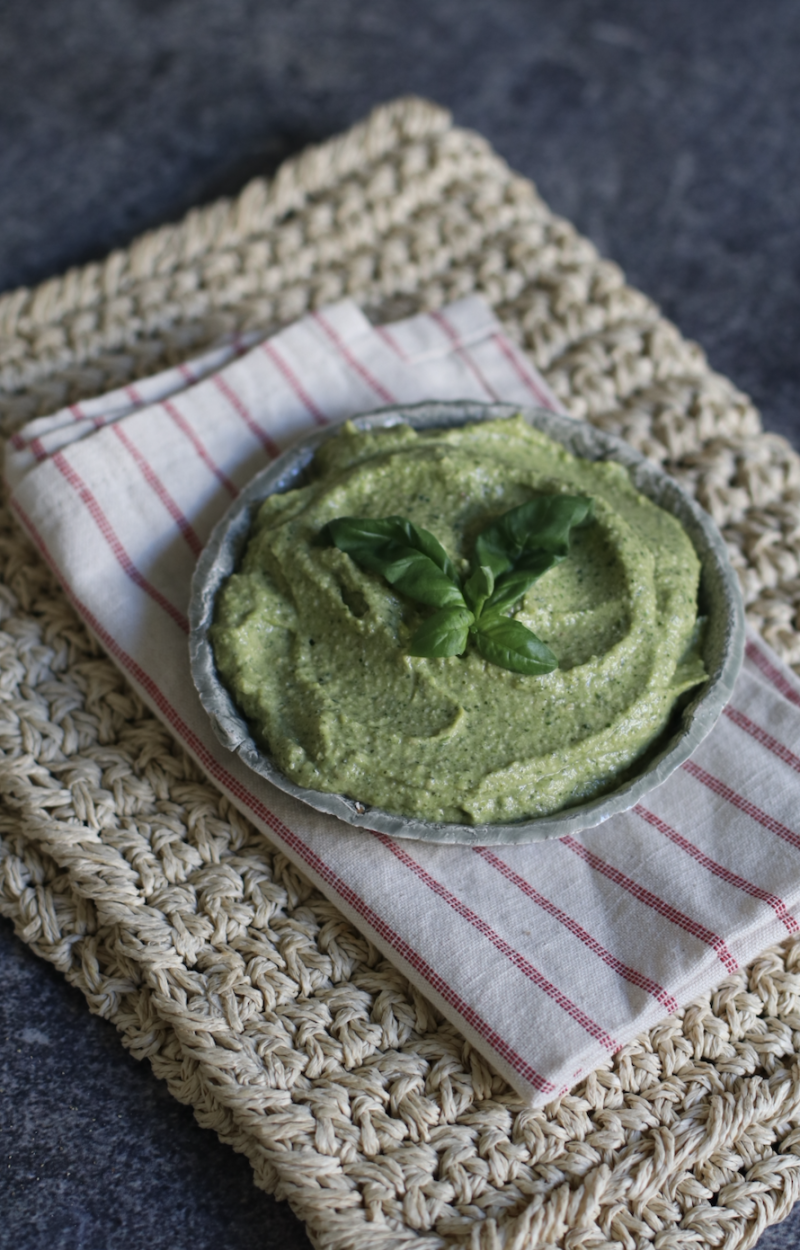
x=720 y=601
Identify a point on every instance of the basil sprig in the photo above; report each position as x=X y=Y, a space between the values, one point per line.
x=511 y=553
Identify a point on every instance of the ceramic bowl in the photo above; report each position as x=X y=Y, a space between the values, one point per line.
x=720 y=601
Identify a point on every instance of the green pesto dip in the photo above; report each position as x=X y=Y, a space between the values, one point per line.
x=313 y=647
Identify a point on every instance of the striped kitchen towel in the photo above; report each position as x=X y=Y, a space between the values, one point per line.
x=548 y=957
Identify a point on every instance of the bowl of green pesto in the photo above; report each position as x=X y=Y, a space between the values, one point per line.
x=464 y=622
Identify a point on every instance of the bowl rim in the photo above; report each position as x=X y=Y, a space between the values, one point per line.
x=225 y=545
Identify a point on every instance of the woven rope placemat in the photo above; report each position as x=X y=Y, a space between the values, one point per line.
x=251 y=996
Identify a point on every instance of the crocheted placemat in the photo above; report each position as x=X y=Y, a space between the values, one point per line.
x=250 y=995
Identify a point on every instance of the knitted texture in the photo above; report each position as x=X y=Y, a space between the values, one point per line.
x=251 y=996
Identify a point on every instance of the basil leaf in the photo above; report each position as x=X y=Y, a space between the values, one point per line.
x=479 y=588
x=542 y=524
x=362 y=538
x=491 y=551
x=426 y=542
x=510 y=645
x=511 y=553
x=415 y=575
x=513 y=585
x=408 y=557
x=445 y=633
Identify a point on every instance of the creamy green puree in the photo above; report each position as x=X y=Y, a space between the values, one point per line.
x=313 y=647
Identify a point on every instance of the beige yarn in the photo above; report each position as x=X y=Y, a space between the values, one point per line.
x=252 y=997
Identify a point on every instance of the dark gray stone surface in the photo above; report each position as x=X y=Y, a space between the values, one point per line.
x=669 y=133
x=94 y=1151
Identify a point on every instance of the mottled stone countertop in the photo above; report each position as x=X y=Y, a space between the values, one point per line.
x=669 y=133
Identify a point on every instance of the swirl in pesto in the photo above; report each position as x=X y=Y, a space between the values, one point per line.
x=315 y=648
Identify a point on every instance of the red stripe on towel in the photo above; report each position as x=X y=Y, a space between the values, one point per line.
x=289 y=375
x=186 y=429
x=239 y=406
x=247 y=800
x=513 y=956
x=773 y=675
x=744 y=805
x=632 y=975
x=110 y=536
x=718 y=870
x=159 y=489
x=659 y=905
x=390 y=341
x=761 y=735
x=522 y=373
x=444 y=324
x=355 y=364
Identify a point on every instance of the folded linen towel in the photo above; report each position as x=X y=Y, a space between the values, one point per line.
x=548 y=957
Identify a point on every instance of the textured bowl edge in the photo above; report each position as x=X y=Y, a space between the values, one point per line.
x=221 y=554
